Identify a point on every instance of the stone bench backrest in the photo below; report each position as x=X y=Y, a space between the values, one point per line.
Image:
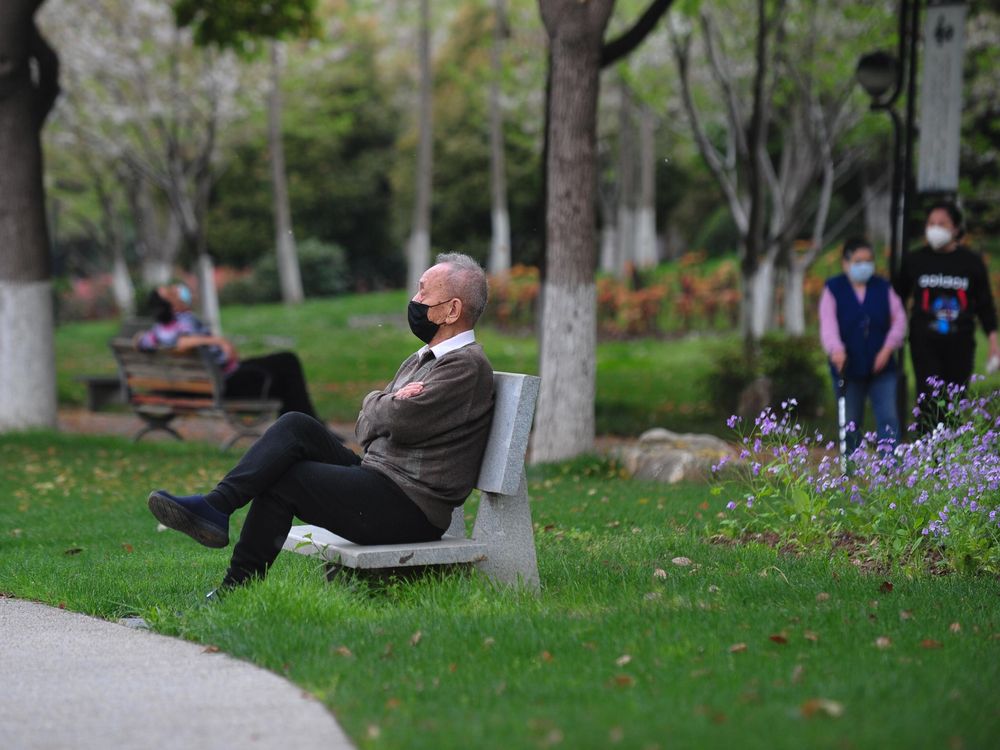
x=513 y=412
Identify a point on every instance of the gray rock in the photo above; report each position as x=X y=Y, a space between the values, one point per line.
x=665 y=456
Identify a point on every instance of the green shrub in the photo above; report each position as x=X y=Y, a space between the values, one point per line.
x=793 y=364
x=323 y=267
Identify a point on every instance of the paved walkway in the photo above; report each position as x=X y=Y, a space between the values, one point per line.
x=68 y=681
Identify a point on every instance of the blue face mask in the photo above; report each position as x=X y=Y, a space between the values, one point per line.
x=861 y=271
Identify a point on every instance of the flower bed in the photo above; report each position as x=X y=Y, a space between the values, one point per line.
x=931 y=503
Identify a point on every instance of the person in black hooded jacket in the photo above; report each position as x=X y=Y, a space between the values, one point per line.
x=949 y=289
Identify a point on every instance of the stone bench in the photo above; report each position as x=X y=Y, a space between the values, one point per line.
x=502 y=544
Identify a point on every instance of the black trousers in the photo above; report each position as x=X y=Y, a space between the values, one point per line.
x=288 y=381
x=947 y=358
x=298 y=468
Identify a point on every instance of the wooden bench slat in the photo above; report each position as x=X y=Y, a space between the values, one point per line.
x=163 y=384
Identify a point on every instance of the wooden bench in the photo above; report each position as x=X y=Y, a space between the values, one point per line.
x=104 y=390
x=164 y=384
x=502 y=544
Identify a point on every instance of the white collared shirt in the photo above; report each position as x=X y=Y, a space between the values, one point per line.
x=449 y=345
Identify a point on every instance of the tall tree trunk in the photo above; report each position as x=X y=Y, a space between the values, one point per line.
x=284 y=240
x=565 y=419
x=500 y=242
x=645 y=241
x=628 y=183
x=760 y=301
x=121 y=284
x=877 y=199
x=795 y=298
x=607 y=205
x=761 y=298
x=27 y=349
x=419 y=250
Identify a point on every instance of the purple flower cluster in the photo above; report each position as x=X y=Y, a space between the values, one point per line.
x=943 y=486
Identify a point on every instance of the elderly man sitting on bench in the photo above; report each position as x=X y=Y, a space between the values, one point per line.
x=423 y=438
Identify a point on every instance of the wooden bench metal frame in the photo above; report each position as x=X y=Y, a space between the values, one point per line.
x=502 y=543
x=164 y=384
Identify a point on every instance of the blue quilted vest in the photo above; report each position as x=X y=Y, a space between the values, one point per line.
x=863 y=325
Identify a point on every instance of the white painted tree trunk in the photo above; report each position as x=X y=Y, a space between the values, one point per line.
x=284 y=240
x=762 y=298
x=877 y=201
x=209 y=294
x=500 y=241
x=27 y=356
x=156 y=271
x=627 y=234
x=645 y=239
x=122 y=287
x=418 y=253
x=794 y=301
x=419 y=249
x=609 y=248
x=566 y=364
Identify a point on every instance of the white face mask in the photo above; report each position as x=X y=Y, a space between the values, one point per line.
x=937 y=237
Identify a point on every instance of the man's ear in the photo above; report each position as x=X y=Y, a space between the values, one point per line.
x=456 y=311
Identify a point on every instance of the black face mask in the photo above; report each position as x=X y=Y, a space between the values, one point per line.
x=423 y=328
x=159 y=308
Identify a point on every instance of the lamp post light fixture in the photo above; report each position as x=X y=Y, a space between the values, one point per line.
x=878 y=72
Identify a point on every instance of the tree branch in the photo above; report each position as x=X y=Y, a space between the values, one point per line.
x=708 y=151
x=623 y=45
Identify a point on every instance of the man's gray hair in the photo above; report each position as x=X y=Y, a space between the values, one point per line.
x=467 y=281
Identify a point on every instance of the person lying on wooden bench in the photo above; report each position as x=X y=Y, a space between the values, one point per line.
x=278 y=376
x=423 y=438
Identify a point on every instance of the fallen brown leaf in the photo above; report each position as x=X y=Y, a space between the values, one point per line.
x=415 y=638
x=622 y=660
x=779 y=638
x=546 y=656
x=955 y=627
x=797 y=673
x=682 y=561
x=624 y=680
x=811 y=636
x=128 y=548
x=343 y=651
x=883 y=642
x=210 y=650
x=737 y=648
x=930 y=643
x=822 y=707
x=885 y=588
x=905 y=614
x=393 y=703
x=822 y=596
x=659 y=573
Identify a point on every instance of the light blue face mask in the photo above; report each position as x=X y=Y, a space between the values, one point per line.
x=861 y=271
x=184 y=294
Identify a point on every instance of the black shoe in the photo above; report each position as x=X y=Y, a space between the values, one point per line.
x=191 y=515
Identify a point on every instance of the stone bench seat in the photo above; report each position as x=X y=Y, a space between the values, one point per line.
x=502 y=542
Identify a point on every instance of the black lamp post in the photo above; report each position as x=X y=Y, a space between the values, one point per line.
x=883 y=78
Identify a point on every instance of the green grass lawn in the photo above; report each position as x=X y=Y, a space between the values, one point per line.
x=350 y=345
x=743 y=647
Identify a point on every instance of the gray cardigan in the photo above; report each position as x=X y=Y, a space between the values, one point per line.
x=431 y=444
